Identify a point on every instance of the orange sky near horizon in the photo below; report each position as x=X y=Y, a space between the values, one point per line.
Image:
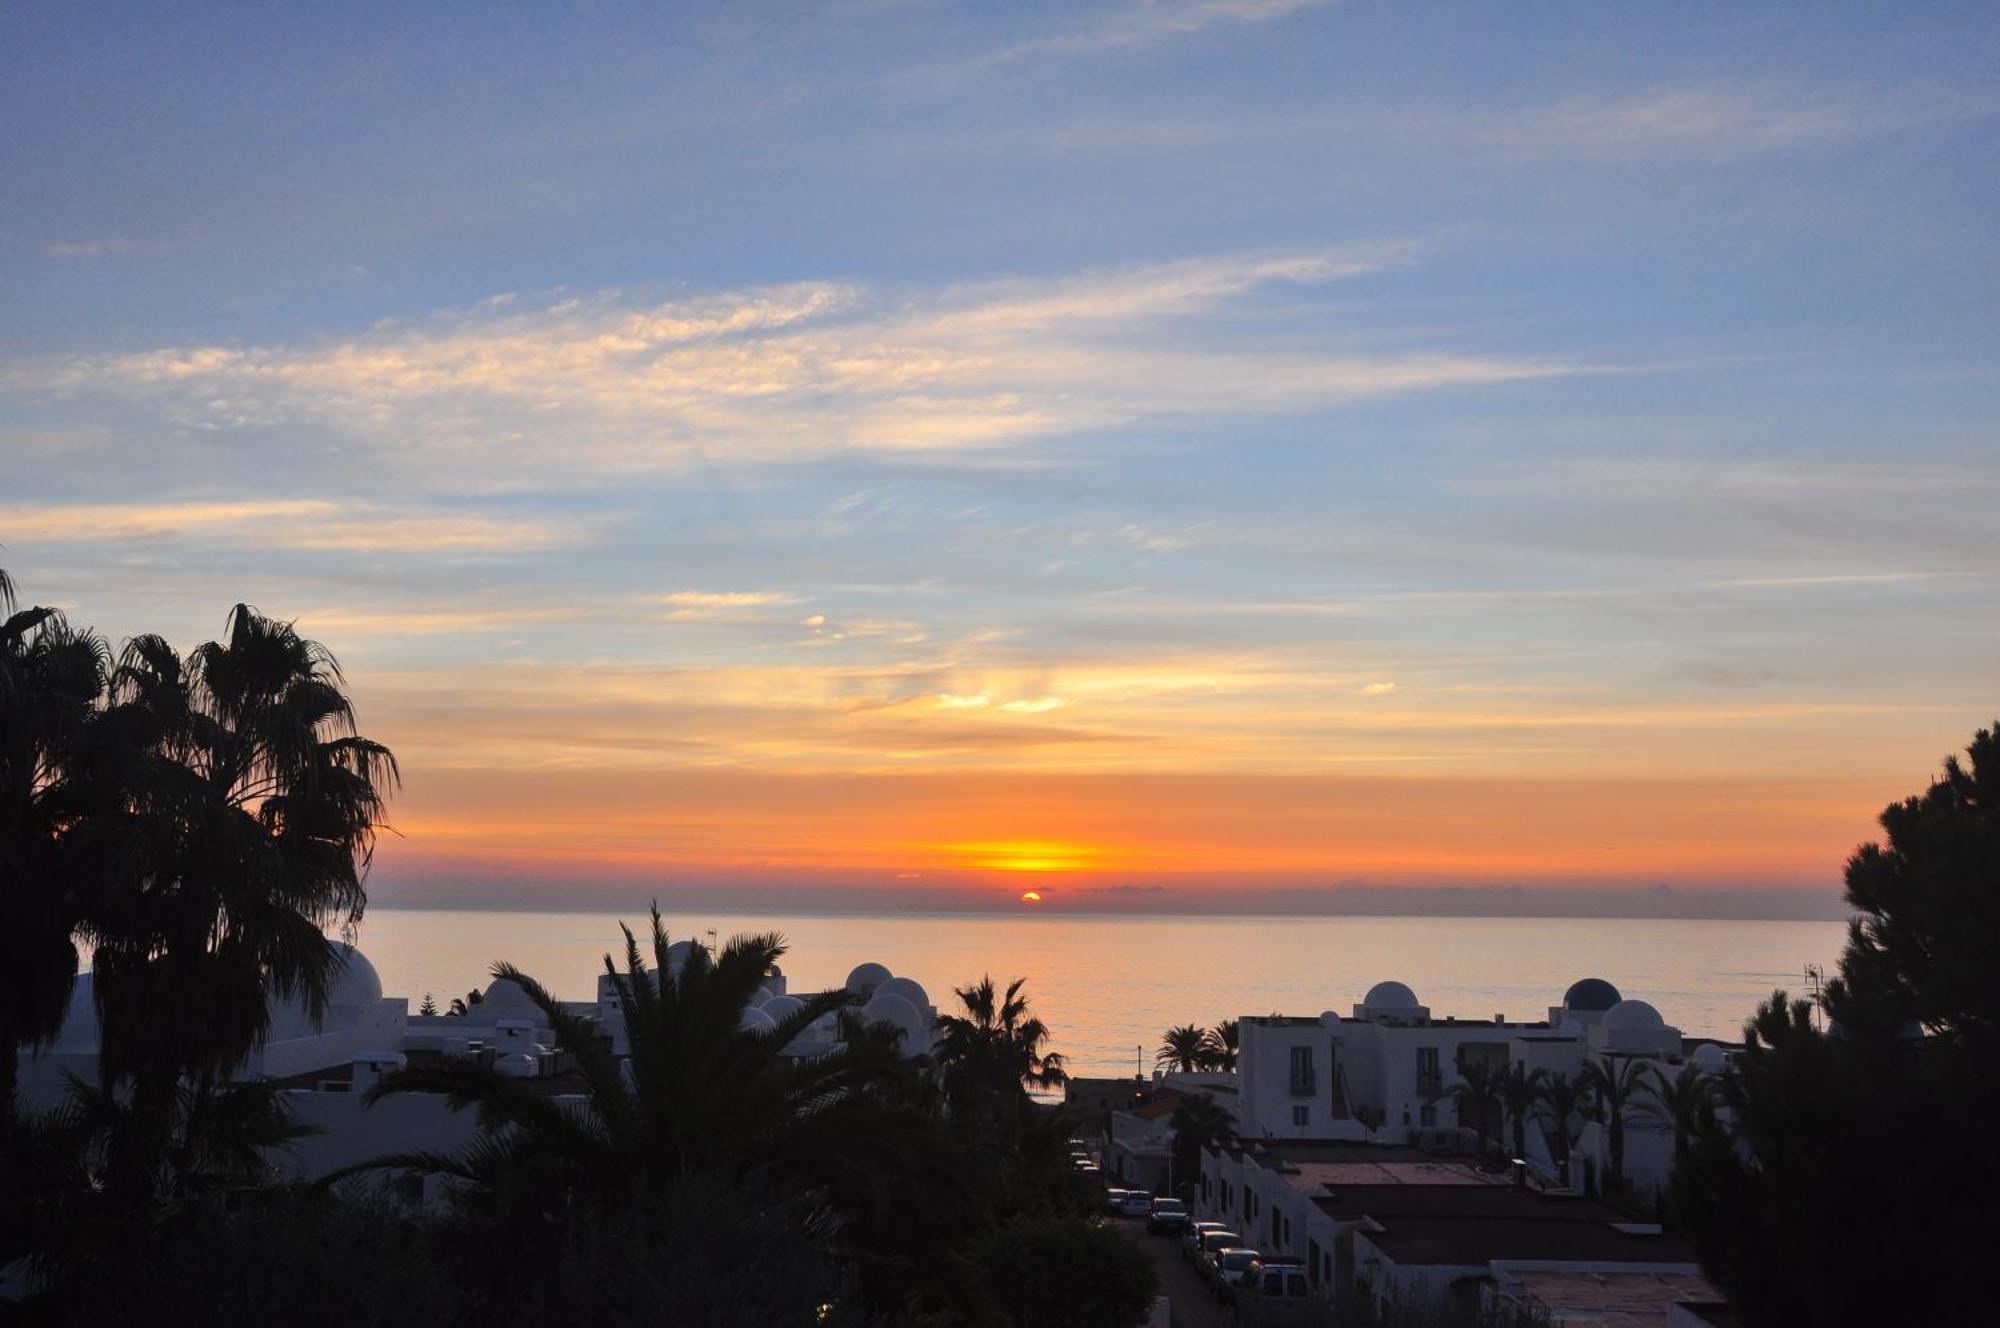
x=1072 y=835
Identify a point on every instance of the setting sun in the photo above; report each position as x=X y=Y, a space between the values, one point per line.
x=1031 y=896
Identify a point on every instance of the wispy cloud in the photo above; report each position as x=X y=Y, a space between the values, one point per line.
x=291 y=524
x=571 y=391
x=1138 y=25
x=1711 y=120
x=117 y=246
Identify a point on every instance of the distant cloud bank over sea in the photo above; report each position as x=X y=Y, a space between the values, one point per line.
x=1347 y=900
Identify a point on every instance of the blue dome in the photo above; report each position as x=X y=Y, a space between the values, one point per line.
x=1594 y=994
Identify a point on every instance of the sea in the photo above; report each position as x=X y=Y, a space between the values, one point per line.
x=1108 y=986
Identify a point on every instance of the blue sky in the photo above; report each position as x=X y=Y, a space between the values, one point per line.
x=1036 y=392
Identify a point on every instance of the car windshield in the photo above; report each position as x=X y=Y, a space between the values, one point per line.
x=1169 y=1206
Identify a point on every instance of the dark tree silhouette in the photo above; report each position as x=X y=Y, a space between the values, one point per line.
x=52 y=678
x=701 y=1096
x=250 y=806
x=1848 y=1176
x=1520 y=1090
x=1198 y=1124
x=1476 y=1096
x=1615 y=1085
x=1563 y=1104
x=1184 y=1048
x=996 y=1049
x=1223 y=1040
x=1678 y=1103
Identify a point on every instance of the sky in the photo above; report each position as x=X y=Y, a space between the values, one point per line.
x=1193 y=455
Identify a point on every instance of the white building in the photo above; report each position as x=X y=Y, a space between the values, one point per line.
x=325 y=1068
x=1385 y=1071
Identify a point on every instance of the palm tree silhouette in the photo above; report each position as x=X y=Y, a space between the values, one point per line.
x=1198 y=1124
x=1520 y=1090
x=1476 y=1096
x=1679 y=1103
x=1614 y=1087
x=699 y=1094
x=52 y=678
x=1564 y=1100
x=1184 y=1048
x=1223 y=1040
x=251 y=805
x=996 y=1048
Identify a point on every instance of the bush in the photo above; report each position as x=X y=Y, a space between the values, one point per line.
x=1066 y=1272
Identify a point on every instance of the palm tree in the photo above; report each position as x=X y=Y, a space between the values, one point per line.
x=1476 y=1095
x=699 y=1094
x=1185 y=1048
x=996 y=1050
x=1222 y=1043
x=1564 y=1100
x=1679 y=1103
x=1198 y=1124
x=1520 y=1090
x=1614 y=1087
x=52 y=679
x=250 y=809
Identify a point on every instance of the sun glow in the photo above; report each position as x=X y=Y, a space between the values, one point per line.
x=1028 y=855
x=1031 y=896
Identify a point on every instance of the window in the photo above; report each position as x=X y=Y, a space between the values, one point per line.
x=1301 y=1115
x=1302 y=1070
x=1428 y=1117
x=1429 y=1078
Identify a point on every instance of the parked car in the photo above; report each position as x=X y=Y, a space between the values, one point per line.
x=1279 y=1293
x=1114 y=1199
x=1191 y=1238
x=1168 y=1217
x=1136 y=1203
x=1212 y=1242
x=1228 y=1268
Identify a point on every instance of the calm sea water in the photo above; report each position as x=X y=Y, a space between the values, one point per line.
x=1109 y=985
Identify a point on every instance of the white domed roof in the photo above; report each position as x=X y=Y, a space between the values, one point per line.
x=885 y=1008
x=866 y=978
x=1329 y=1017
x=1710 y=1057
x=677 y=954
x=759 y=997
x=355 y=981
x=1390 y=996
x=1633 y=1016
x=755 y=1020
x=505 y=1000
x=909 y=990
x=782 y=1007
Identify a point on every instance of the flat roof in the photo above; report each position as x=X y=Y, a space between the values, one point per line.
x=1616 y=1300
x=1430 y=1173
x=1387 y=1203
x=1461 y=1241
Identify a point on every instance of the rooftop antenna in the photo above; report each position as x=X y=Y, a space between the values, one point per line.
x=1816 y=993
x=711 y=940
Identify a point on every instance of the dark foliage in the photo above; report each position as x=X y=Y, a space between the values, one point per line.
x=1066 y=1272
x=1848 y=1175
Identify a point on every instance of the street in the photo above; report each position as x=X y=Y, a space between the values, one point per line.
x=1193 y=1306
